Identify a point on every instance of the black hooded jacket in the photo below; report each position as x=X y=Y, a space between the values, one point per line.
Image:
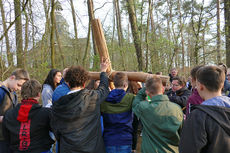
x=26 y=128
x=76 y=120
x=207 y=130
x=179 y=97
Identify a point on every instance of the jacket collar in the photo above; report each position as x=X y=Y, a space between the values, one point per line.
x=159 y=98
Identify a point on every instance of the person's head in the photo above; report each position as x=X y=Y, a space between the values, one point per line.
x=53 y=79
x=120 y=80
x=173 y=72
x=16 y=79
x=154 y=86
x=158 y=73
x=178 y=83
x=31 y=89
x=228 y=77
x=93 y=84
x=134 y=87
x=210 y=80
x=223 y=67
x=193 y=74
x=76 y=76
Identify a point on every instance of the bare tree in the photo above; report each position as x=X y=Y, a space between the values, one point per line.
x=135 y=33
x=18 y=29
x=74 y=19
x=218 y=31
x=9 y=54
x=52 y=41
x=119 y=31
x=227 y=30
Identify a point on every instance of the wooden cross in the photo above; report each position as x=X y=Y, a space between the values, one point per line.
x=103 y=52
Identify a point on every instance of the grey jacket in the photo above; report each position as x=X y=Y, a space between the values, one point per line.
x=47 y=93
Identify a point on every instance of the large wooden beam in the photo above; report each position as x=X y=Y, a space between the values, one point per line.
x=104 y=54
x=101 y=42
x=132 y=76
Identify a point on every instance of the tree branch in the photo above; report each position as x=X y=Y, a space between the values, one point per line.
x=12 y=23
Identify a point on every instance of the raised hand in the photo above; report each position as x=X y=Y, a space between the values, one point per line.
x=104 y=64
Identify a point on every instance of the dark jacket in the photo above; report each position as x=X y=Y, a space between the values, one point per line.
x=26 y=128
x=117 y=116
x=207 y=129
x=9 y=101
x=76 y=120
x=179 y=97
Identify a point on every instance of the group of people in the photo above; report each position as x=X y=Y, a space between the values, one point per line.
x=93 y=118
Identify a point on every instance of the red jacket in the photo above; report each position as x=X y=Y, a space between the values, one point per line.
x=194 y=99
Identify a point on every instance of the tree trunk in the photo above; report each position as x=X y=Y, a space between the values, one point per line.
x=46 y=36
x=147 y=43
x=197 y=33
x=26 y=38
x=59 y=44
x=9 y=54
x=182 y=36
x=35 y=63
x=52 y=41
x=74 y=19
x=151 y=18
x=203 y=46
x=218 y=31
x=119 y=31
x=118 y=20
x=18 y=29
x=227 y=30
x=87 y=45
x=76 y=47
x=135 y=33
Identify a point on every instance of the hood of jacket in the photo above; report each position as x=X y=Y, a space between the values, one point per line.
x=73 y=105
x=217 y=112
x=24 y=112
x=115 y=96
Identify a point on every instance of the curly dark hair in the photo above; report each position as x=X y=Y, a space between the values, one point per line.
x=76 y=76
x=50 y=78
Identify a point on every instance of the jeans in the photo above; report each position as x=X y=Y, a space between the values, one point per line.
x=119 y=149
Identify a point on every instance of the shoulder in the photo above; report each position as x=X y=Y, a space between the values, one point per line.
x=47 y=89
x=129 y=96
x=186 y=91
x=2 y=91
x=45 y=111
x=2 y=94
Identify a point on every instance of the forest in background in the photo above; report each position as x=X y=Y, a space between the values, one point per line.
x=141 y=35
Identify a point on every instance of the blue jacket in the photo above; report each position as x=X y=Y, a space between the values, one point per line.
x=60 y=91
x=117 y=116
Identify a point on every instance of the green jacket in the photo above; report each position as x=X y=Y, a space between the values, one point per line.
x=161 y=121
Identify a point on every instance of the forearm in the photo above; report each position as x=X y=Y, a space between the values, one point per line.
x=141 y=95
x=1 y=119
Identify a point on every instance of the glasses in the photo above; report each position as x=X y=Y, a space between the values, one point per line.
x=175 y=85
